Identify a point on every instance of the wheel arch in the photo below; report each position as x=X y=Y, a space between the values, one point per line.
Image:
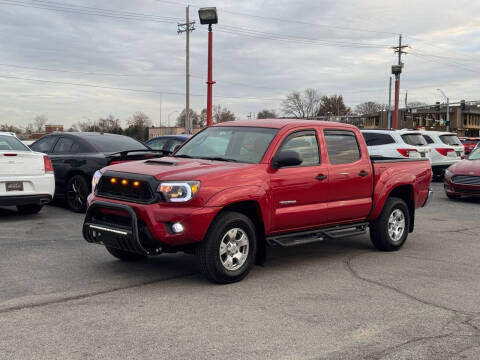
x=405 y=192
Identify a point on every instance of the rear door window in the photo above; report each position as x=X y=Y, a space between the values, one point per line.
x=63 y=146
x=428 y=139
x=44 y=145
x=414 y=139
x=342 y=146
x=377 y=139
x=450 y=139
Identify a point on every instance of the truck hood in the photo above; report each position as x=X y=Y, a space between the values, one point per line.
x=170 y=168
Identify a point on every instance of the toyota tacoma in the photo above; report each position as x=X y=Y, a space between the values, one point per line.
x=238 y=187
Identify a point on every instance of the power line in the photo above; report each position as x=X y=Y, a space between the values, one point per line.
x=440 y=61
x=64 y=71
x=73 y=10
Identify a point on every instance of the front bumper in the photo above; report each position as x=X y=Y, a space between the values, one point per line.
x=429 y=197
x=459 y=189
x=15 y=200
x=149 y=225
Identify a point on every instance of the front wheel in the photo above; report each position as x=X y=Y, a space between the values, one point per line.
x=228 y=251
x=390 y=230
x=125 y=255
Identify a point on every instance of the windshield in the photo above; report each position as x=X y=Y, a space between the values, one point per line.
x=11 y=143
x=114 y=143
x=414 y=139
x=229 y=143
x=474 y=155
x=450 y=139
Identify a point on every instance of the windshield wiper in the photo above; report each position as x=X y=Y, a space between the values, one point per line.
x=184 y=156
x=218 y=159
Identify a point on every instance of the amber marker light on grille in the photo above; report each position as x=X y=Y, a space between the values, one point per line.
x=124 y=182
x=113 y=181
x=136 y=183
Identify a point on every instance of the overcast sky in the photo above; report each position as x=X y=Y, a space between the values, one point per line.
x=262 y=51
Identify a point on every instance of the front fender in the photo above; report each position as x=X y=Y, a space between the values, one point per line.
x=239 y=194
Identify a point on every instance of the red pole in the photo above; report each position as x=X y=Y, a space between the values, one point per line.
x=210 y=82
x=395 y=118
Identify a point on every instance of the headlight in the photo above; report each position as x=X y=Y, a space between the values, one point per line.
x=179 y=191
x=448 y=173
x=95 y=179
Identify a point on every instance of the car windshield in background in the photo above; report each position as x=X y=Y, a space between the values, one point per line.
x=11 y=143
x=229 y=143
x=414 y=139
x=474 y=155
x=450 y=139
x=114 y=143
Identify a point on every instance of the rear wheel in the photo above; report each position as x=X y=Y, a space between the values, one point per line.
x=77 y=192
x=29 y=208
x=390 y=230
x=125 y=255
x=228 y=251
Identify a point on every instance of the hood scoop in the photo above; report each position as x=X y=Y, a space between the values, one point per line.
x=161 y=162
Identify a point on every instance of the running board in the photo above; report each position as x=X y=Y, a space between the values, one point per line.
x=307 y=237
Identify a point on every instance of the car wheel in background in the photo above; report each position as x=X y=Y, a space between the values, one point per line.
x=390 y=230
x=29 y=208
x=77 y=192
x=228 y=251
x=125 y=255
x=453 y=196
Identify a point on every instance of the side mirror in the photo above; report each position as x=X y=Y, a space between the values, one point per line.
x=286 y=158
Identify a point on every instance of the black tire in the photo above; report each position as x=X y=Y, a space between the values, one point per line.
x=125 y=255
x=77 y=191
x=210 y=260
x=29 y=208
x=453 y=196
x=381 y=238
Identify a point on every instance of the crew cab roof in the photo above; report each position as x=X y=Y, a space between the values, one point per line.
x=281 y=123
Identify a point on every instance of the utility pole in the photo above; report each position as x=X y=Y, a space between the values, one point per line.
x=397 y=70
x=187 y=28
x=389 y=114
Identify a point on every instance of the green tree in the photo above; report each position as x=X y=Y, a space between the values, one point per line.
x=333 y=105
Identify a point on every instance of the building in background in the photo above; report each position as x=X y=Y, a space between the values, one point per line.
x=48 y=130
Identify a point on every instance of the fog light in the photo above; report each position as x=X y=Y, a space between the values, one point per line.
x=177 y=227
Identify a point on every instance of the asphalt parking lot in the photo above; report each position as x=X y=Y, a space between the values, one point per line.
x=62 y=298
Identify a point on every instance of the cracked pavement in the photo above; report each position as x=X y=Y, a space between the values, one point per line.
x=61 y=298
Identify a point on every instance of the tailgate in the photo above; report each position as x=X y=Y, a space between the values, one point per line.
x=19 y=163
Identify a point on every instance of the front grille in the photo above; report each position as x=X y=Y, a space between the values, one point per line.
x=115 y=189
x=466 y=191
x=466 y=180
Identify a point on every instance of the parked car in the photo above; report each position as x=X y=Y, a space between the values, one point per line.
x=469 y=143
x=236 y=187
x=76 y=156
x=167 y=143
x=446 y=149
x=26 y=177
x=396 y=144
x=463 y=177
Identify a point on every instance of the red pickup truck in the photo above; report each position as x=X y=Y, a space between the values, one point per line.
x=238 y=187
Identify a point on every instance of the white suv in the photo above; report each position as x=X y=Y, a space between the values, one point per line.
x=400 y=144
x=446 y=149
x=26 y=177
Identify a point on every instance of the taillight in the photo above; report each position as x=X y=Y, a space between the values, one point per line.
x=48 y=165
x=406 y=152
x=444 y=151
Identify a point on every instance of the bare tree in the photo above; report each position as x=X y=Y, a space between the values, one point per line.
x=138 y=126
x=267 y=114
x=300 y=106
x=221 y=114
x=39 y=122
x=109 y=124
x=370 y=107
x=333 y=105
x=197 y=121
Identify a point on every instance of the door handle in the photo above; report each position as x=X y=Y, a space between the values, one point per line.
x=363 y=173
x=321 y=177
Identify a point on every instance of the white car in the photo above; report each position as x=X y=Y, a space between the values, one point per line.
x=26 y=177
x=446 y=149
x=400 y=144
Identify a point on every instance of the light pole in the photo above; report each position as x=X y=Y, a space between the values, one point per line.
x=448 y=109
x=208 y=16
x=173 y=112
